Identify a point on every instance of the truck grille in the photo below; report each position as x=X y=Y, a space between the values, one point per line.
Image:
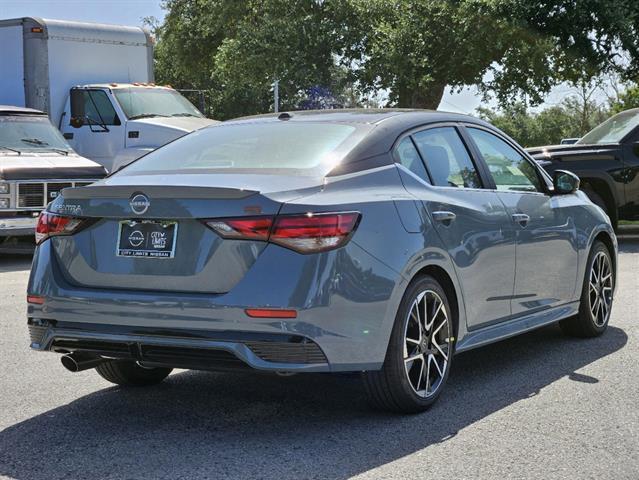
x=53 y=190
x=31 y=195
x=38 y=195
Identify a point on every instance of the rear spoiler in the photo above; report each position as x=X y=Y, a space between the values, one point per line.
x=155 y=191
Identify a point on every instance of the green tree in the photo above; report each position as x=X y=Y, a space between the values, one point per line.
x=627 y=99
x=550 y=125
x=511 y=48
x=409 y=49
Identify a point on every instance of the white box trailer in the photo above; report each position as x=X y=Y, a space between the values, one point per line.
x=45 y=62
x=43 y=59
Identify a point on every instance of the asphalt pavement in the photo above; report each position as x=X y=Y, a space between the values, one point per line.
x=538 y=406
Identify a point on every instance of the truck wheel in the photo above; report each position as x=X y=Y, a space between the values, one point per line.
x=128 y=373
x=596 y=296
x=419 y=354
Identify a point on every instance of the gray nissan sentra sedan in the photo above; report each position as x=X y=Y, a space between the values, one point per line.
x=372 y=241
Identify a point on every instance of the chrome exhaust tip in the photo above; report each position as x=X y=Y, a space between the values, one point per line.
x=77 y=362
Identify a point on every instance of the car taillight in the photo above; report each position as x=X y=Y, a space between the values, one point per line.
x=308 y=233
x=50 y=224
x=256 y=228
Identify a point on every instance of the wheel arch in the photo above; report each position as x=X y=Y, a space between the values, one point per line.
x=605 y=237
x=445 y=280
x=603 y=188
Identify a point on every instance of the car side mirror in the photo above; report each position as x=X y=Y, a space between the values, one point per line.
x=77 y=108
x=565 y=182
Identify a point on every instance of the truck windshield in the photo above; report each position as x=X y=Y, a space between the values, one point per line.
x=31 y=133
x=614 y=129
x=140 y=102
x=292 y=148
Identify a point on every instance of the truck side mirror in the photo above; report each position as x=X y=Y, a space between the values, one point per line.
x=77 y=108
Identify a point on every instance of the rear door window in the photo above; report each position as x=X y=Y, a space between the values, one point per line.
x=447 y=158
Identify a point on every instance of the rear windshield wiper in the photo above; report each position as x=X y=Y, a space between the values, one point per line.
x=146 y=115
x=11 y=149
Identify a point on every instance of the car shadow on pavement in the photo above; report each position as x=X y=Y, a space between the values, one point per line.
x=207 y=425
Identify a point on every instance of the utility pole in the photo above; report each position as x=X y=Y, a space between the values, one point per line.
x=276 y=96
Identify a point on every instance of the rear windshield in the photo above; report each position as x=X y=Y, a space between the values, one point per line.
x=303 y=148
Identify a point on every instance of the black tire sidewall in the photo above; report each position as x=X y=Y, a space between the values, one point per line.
x=585 y=312
x=395 y=357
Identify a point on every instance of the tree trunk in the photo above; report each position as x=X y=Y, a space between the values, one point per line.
x=429 y=98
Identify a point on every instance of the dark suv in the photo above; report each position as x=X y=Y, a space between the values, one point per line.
x=607 y=161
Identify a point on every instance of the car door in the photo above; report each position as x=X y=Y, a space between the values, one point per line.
x=470 y=220
x=546 y=234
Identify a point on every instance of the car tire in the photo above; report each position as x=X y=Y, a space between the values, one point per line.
x=130 y=374
x=596 y=296
x=411 y=386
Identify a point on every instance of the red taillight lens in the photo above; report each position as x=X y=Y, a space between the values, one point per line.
x=50 y=224
x=307 y=233
x=256 y=228
x=314 y=233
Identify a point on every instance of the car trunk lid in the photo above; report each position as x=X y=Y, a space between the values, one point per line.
x=198 y=261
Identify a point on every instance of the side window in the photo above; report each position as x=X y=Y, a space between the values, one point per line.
x=509 y=169
x=446 y=158
x=98 y=108
x=407 y=155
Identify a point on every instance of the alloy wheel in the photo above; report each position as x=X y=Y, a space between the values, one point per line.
x=600 y=289
x=426 y=343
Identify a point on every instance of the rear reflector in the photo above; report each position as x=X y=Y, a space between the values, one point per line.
x=50 y=224
x=270 y=313
x=37 y=299
x=308 y=233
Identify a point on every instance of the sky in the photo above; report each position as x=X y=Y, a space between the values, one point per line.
x=131 y=12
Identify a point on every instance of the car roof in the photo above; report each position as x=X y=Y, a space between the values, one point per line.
x=384 y=126
x=360 y=115
x=10 y=109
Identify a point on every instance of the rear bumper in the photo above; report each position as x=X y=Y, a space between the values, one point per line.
x=191 y=349
x=17 y=226
x=343 y=321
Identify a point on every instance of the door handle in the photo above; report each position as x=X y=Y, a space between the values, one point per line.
x=444 y=217
x=521 y=218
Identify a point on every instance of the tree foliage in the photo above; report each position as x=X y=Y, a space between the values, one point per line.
x=626 y=99
x=410 y=49
x=550 y=125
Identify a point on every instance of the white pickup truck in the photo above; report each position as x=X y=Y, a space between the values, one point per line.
x=96 y=84
x=36 y=163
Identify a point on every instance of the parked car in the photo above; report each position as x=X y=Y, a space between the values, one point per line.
x=606 y=160
x=36 y=163
x=95 y=81
x=374 y=241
